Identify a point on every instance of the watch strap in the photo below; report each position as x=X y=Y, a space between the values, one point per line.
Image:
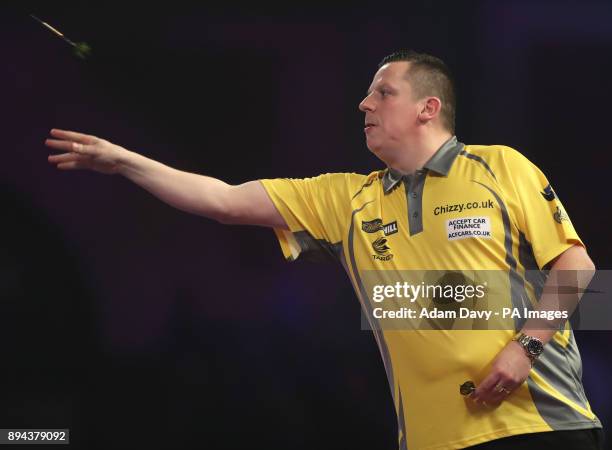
x=524 y=340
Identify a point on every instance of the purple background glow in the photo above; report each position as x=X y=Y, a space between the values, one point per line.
x=174 y=330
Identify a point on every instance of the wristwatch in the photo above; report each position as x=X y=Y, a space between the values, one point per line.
x=532 y=345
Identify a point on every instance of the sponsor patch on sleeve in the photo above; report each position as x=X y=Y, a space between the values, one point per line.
x=468 y=227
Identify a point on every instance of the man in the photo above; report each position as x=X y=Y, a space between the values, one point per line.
x=439 y=205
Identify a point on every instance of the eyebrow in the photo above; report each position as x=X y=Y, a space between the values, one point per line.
x=380 y=86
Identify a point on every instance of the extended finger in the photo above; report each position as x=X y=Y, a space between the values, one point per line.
x=59 y=145
x=65 y=157
x=71 y=165
x=68 y=146
x=73 y=136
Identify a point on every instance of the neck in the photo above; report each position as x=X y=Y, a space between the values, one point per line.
x=415 y=154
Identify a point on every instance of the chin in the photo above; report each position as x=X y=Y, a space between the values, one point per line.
x=377 y=151
x=373 y=147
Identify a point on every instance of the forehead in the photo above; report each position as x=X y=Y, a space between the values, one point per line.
x=391 y=73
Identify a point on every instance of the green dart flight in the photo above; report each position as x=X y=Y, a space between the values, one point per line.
x=80 y=49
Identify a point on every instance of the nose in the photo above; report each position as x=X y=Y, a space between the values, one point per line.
x=366 y=104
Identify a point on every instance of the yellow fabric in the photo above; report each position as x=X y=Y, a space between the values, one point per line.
x=426 y=367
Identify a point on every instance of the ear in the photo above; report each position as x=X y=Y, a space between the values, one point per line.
x=430 y=109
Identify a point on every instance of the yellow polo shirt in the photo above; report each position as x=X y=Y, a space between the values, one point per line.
x=471 y=207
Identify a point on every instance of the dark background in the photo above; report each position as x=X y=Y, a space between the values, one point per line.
x=136 y=325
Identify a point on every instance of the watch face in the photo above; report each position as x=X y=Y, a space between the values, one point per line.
x=535 y=347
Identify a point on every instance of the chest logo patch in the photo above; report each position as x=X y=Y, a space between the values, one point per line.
x=382 y=250
x=468 y=227
x=372 y=226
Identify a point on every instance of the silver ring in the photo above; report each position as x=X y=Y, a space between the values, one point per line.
x=500 y=388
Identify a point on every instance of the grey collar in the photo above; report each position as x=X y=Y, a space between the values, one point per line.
x=440 y=162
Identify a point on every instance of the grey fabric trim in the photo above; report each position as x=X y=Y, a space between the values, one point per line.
x=533 y=274
x=557 y=414
x=336 y=250
x=479 y=159
x=365 y=304
x=574 y=355
x=361 y=290
x=518 y=295
x=401 y=423
x=561 y=368
x=441 y=163
x=414 y=200
x=390 y=179
x=342 y=258
x=317 y=250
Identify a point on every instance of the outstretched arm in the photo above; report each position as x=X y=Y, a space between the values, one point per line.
x=247 y=203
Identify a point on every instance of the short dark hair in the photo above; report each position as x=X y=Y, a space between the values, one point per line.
x=429 y=75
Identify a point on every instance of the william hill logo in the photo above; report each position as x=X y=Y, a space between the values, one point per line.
x=382 y=249
x=372 y=226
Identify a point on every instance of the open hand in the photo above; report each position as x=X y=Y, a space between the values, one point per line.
x=83 y=151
